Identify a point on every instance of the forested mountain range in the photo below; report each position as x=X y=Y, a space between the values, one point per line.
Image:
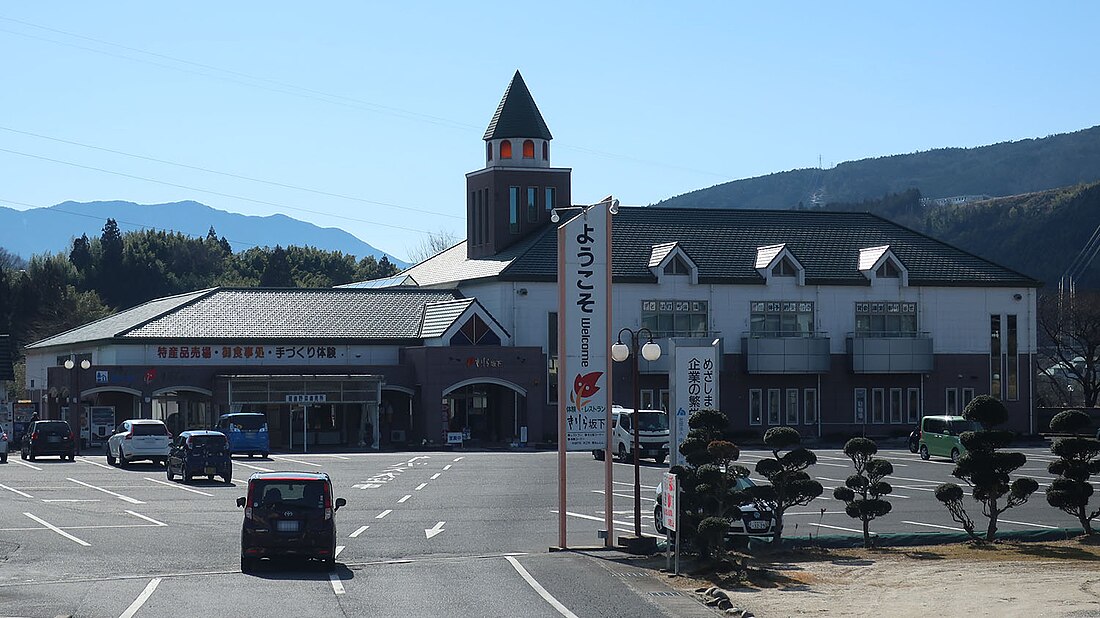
x=1008 y=168
x=51 y=230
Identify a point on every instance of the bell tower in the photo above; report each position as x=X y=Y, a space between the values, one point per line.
x=516 y=190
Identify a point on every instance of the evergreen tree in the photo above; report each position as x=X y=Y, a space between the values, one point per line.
x=1079 y=460
x=862 y=492
x=986 y=468
x=276 y=273
x=790 y=485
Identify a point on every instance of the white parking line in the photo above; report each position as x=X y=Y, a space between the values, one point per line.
x=403 y=499
x=297 y=461
x=57 y=530
x=178 y=486
x=16 y=491
x=73 y=500
x=824 y=478
x=420 y=486
x=383 y=514
x=446 y=467
x=159 y=523
x=23 y=463
x=435 y=476
x=459 y=458
x=119 y=496
x=250 y=466
x=563 y=610
x=94 y=463
x=838 y=528
x=141 y=599
x=339 y=548
x=361 y=530
x=1024 y=523
x=917 y=523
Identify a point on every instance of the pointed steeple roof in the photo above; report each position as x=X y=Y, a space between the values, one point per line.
x=517 y=115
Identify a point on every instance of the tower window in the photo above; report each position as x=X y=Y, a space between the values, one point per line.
x=488 y=151
x=528 y=149
x=513 y=209
x=505 y=149
x=532 y=204
x=549 y=201
x=546 y=151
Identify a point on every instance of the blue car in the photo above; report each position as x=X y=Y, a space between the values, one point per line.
x=247 y=432
x=200 y=453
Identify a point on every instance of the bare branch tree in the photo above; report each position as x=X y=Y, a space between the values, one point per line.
x=1072 y=327
x=431 y=245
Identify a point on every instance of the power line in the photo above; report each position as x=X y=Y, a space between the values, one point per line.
x=230 y=175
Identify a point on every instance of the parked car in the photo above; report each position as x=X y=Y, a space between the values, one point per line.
x=3 y=445
x=939 y=436
x=753 y=521
x=48 y=438
x=289 y=514
x=200 y=453
x=653 y=435
x=247 y=432
x=137 y=439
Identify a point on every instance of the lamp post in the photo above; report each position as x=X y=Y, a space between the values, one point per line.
x=619 y=353
x=75 y=401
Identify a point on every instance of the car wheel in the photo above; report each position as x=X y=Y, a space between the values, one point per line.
x=659 y=521
x=263 y=455
x=209 y=477
x=110 y=457
x=597 y=455
x=924 y=452
x=251 y=455
x=913 y=445
x=228 y=478
x=23 y=455
x=4 y=457
x=246 y=565
x=660 y=459
x=330 y=564
x=122 y=463
x=30 y=456
x=955 y=455
x=622 y=452
x=168 y=473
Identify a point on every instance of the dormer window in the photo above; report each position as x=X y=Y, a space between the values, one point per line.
x=677 y=266
x=528 y=149
x=785 y=268
x=505 y=149
x=888 y=271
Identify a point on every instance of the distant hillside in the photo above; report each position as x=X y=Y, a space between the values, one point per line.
x=51 y=230
x=1038 y=234
x=1009 y=168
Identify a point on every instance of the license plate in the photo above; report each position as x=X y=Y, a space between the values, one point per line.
x=758 y=525
x=210 y=470
x=286 y=526
x=52 y=439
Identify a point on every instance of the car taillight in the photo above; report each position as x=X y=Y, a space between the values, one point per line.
x=328 y=504
x=34 y=436
x=72 y=436
x=248 y=505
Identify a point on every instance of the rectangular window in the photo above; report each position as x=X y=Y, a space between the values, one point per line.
x=995 y=356
x=861 y=405
x=1013 y=361
x=513 y=209
x=552 y=357
x=886 y=319
x=550 y=198
x=475 y=211
x=951 y=403
x=809 y=406
x=485 y=218
x=774 y=404
x=532 y=204
x=895 y=405
x=646 y=402
x=781 y=318
x=967 y=397
x=756 y=406
x=665 y=399
x=792 y=406
x=878 y=405
x=675 y=318
x=914 y=405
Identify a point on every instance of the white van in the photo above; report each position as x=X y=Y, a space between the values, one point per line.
x=652 y=435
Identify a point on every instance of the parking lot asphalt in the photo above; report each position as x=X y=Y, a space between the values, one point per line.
x=419 y=535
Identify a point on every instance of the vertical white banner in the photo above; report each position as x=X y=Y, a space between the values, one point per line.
x=694 y=385
x=584 y=288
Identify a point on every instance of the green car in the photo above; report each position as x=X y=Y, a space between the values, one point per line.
x=939 y=436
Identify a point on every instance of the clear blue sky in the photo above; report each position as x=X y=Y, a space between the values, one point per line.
x=385 y=103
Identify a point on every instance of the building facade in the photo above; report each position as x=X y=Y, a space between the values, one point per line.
x=837 y=324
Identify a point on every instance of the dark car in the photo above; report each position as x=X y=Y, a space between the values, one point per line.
x=289 y=514
x=752 y=522
x=914 y=440
x=200 y=453
x=48 y=438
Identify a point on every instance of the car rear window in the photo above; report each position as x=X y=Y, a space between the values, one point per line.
x=211 y=442
x=309 y=494
x=53 y=427
x=957 y=427
x=149 y=429
x=247 y=423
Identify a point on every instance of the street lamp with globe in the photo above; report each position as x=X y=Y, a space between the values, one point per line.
x=74 y=401
x=620 y=352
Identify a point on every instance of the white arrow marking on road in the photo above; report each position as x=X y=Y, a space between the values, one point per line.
x=434 y=530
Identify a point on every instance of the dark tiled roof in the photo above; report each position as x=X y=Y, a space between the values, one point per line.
x=112 y=325
x=229 y=313
x=723 y=244
x=517 y=115
x=7 y=372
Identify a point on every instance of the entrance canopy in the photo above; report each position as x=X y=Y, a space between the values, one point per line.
x=303 y=388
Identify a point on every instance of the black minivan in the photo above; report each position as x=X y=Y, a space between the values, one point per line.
x=289 y=514
x=200 y=453
x=48 y=438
